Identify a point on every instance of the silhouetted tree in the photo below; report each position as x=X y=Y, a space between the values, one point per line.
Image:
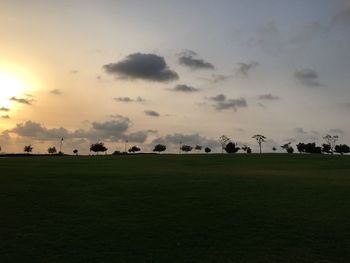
x=198 y=148
x=342 y=148
x=117 y=153
x=331 y=140
x=98 y=147
x=28 y=149
x=312 y=148
x=246 y=149
x=288 y=147
x=274 y=149
x=223 y=141
x=134 y=149
x=260 y=139
x=207 y=150
x=301 y=147
x=159 y=148
x=186 y=148
x=326 y=148
x=231 y=147
x=75 y=151
x=52 y=150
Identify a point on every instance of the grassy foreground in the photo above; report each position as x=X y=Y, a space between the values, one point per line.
x=171 y=208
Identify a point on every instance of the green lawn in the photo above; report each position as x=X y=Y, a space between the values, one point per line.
x=175 y=208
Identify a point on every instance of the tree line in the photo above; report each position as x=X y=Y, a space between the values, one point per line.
x=227 y=145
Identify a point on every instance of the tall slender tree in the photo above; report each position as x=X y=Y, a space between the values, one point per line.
x=331 y=140
x=260 y=139
x=223 y=141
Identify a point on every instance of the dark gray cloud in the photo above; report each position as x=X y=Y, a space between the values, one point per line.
x=307 y=77
x=56 y=92
x=128 y=99
x=268 y=97
x=223 y=103
x=36 y=130
x=22 y=100
x=152 y=113
x=114 y=130
x=189 y=139
x=184 y=88
x=5 y=116
x=4 y=109
x=243 y=69
x=191 y=59
x=142 y=66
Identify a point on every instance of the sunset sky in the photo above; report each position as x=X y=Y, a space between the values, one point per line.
x=161 y=71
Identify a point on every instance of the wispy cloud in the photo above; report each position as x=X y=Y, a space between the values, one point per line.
x=191 y=59
x=128 y=99
x=22 y=100
x=223 y=103
x=151 y=113
x=184 y=88
x=307 y=77
x=243 y=69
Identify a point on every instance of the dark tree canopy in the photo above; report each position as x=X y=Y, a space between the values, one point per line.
x=342 y=148
x=288 y=147
x=326 y=148
x=247 y=149
x=231 y=147
x=98 y=147
x=207 y=150
x=186 y=148
x=134 y=149
x=75 y=151
x=198 y=148
x=159 y=148
x=52 y=150
x=308 y=148
x=28 y=149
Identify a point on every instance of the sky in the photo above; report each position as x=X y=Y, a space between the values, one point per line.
x=167 y=72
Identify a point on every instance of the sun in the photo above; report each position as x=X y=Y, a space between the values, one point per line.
x=10 y=86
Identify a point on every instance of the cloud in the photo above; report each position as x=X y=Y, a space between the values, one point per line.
x=189 y=139
x=336 y=131
x=56 y=92
x=36 y=130
x=5 y=116
x=74 y=72
x=307 y=77
x=342 y=18
x=114 y=130
x=268 y=97
x=152 y=113
x=190 y=59
x=222 y=103
x=149 y=67
x=216 y=78
x=243 y=69
x=4 y=109
x=299 y=130
x=184 y=88
x=22 y=100
x=128 y=99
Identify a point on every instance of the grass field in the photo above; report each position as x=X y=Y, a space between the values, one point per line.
x=175 y=208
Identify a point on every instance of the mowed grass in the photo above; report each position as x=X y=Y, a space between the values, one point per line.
x=175 y=208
